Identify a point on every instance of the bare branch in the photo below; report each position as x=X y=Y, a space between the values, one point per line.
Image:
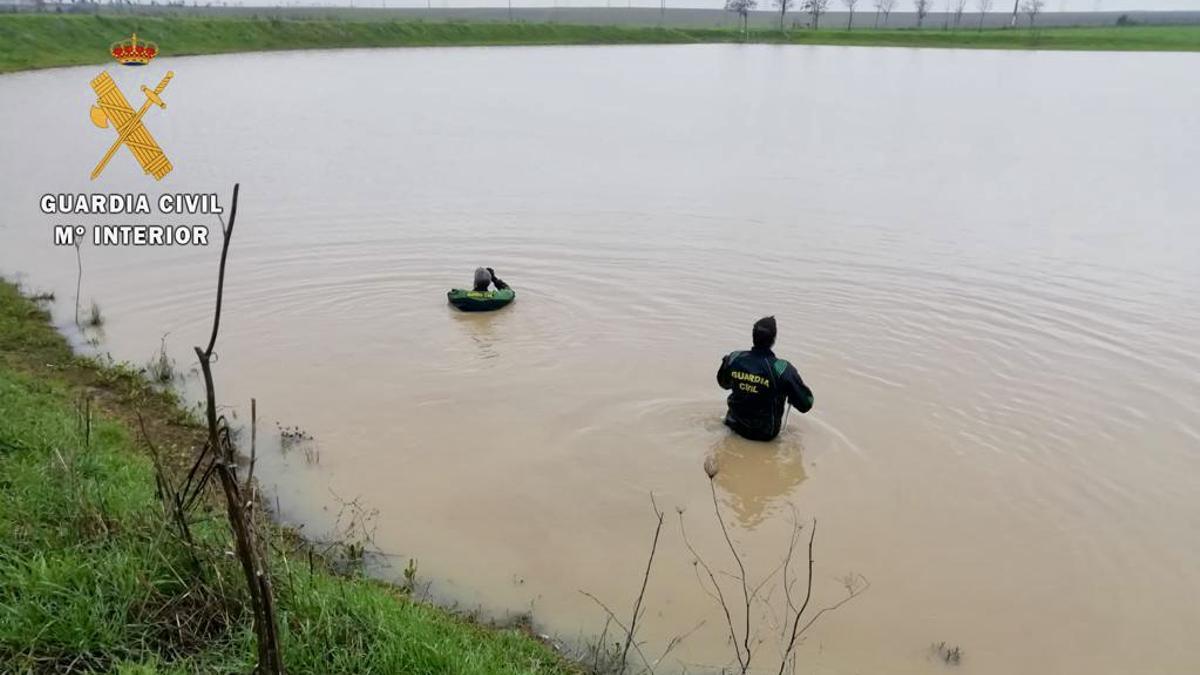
x=600 y=645
x=677 y=640
x=741 y=572
x=637 y=605
x=787 y=587
x=171 y=499
x=853 y=593
x=720 y=597
x=78 y=278
x=791 y=644
x=226 y=236
x=253 y=444
x=165 y=488
x=613 y=617
x=251 y=556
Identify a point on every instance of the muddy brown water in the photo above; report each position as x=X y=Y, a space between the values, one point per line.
x=984 y=263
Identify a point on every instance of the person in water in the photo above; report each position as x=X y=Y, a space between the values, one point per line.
x=762 y=386
x=485 y=276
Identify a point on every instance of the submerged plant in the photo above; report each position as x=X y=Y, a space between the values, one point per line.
x=950 y=655
x=353 y=537
x=161 y=368
x=410 y=577
x=294 y=438
x=95 y=319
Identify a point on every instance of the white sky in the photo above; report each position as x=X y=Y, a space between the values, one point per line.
x=902 y=5
x=836 y=5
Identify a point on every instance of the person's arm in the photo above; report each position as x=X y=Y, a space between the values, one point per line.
x=500 y=285
x=723 y=378
x=798 y=393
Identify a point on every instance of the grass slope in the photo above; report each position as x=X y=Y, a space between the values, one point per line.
x=94 y=579
x=43 y=41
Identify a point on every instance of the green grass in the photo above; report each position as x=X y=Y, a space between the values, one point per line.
x=1108 y=38
x=43 y=41
x=94 y=579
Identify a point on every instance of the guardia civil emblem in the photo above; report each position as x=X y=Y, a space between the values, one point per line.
x=113 y=110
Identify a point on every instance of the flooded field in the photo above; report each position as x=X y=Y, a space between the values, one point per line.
x=983 y=263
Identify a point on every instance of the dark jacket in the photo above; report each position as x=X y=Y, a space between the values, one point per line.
x=500 y=285
x=762 y=386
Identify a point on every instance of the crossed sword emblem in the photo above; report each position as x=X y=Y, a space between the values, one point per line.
x=112 y=108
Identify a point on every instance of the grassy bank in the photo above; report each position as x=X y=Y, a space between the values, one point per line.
x=93 y=578
x=43 y=41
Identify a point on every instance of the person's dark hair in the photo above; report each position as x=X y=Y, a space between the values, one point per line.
x=764 y=332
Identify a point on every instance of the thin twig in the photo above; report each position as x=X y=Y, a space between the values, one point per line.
x=787 y=564
x=720 y=597
x=741 y=571
x=209 y=462
x=600 y=645
x=166 y=490
x=253 y=444
x=78 y=278
x=197 y=462
x=700 y=582
x=171 y=497
x=771 y=575
x=678 y=640
x=791 y=644
x=637 y=605
x=853 y=594
x=636 y=647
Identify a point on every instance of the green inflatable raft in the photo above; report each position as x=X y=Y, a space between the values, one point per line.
x=480 y=301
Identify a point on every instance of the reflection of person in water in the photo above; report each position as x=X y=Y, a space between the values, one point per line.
x=756 y=478
x=480 y=328
x=762 y=386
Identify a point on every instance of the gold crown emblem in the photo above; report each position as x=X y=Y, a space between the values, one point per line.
x=133 y=52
